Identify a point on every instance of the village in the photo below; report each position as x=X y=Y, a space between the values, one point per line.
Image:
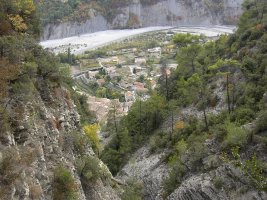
x=119 y=74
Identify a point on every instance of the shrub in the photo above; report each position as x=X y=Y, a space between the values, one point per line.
x=236 y=136
x=64 y=187
x=133 y=191
x=261 y=123
x=158 y=141
x=91 y=132
x=76 y=141
x=218 y=182
x=89 y=169
x=197 y=152
x=243 y=115
x=174 y=179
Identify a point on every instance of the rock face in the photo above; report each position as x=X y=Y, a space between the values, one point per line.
x=41 y=140
x=201 y=187
x=217 y=180
x=163 y=13
x=147 y=168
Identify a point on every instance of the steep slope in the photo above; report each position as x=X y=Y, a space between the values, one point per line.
x=142 y=14
x=44 y=153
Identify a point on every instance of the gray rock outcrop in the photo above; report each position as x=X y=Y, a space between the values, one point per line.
x=163 y=13
x=43 y=131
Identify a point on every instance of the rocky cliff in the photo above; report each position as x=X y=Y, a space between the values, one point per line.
x=162 y=13
x=42 y=148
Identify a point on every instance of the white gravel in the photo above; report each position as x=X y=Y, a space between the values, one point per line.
x=80 y=44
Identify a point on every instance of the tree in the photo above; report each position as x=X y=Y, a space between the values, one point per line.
x=183 y=40
x=187 y=58
x=255 y=13
x=91 y=132
x=18 y=16
x=199 y=92
x=227 y=68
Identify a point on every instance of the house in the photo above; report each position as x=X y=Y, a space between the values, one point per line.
x=140 y=61
x=101 y=82
x=111 y=71
x=172 y=66
x=154 y=53
x=91 y=75
x=139 y=87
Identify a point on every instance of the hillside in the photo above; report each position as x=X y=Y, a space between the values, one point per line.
x=68 y=18
x=163 y=115
x=44 y=152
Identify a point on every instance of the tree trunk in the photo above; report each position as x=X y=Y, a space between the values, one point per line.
x=140 y=115
x=167 y=86
x=172 y=126
x=233 y=98
x=228 y=94
x=205 y=118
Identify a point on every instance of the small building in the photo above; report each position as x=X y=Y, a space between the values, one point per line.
x=101 y=82
x=139 y=87
x=140 y=61
x=154 y=53
x=91 y=75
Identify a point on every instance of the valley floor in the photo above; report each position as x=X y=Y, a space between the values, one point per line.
x=82 y=43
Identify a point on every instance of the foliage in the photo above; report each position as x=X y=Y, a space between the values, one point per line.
x=88 y=168
x=261 y=123
x=242 y=115
x=64 y=186
x=218 y=182
x=117 y=151
x=83 y=109
x=133 y=191
x=253 y=168
x=174 y=178
x=158 y=141
x=18 y=17
x=183 y=40
x=236 y=136
x=91 y=132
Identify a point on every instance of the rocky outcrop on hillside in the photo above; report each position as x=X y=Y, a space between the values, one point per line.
x=234 y=186
x=217 y=181
x=147 y=168
x=162 y=13
x=46 y=134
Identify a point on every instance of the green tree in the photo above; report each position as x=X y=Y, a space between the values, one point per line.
x=187 y=59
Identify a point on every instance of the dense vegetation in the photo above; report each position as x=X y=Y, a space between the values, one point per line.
x=239 y=61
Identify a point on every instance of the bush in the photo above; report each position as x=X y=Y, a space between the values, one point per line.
x=64 y=187
x=91 y=133
x=158 y=141
x=261 y=123
x=133 y=191
x=89 y=169
x=236 y=136
x=77 y=142
x=197 y=152
x=242 y=115
x=174 y=179
x=218 y=182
